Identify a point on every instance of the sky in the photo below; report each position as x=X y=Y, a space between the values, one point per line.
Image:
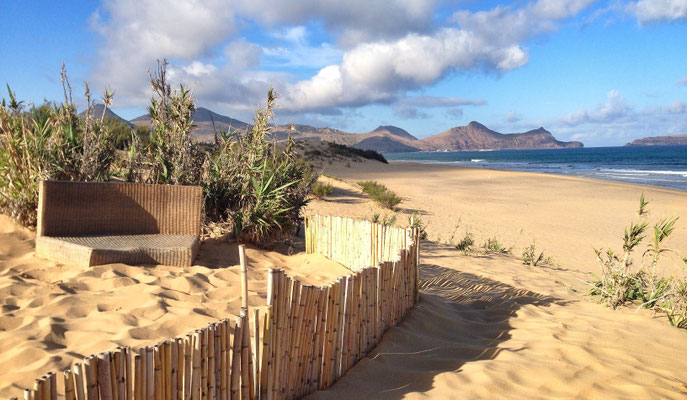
x=601 y=72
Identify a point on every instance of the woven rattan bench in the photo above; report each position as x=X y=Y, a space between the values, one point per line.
x=89 y=223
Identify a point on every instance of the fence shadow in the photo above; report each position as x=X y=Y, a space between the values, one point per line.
x=460 y=318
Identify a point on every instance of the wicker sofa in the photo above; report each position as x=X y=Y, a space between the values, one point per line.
x=89 y=223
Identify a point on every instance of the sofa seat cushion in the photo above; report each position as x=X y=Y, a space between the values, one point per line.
x=128 y=249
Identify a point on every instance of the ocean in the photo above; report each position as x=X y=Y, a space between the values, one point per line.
x=664 y=166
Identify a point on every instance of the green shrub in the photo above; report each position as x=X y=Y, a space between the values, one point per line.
x=255 y=190
x=415 y=222
x=321 y=190
x=348 y=151
x=252 y=190
x=492 y=245
x=380 y=194
x=620 y=284
x=465 y=243
x=49 y=142
x=530 y=256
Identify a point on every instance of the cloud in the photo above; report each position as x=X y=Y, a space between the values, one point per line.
x=512 y=117
x=381 y=71
x=136 y=33
x=297 y=52
x=653 y=11
x=437 y=101
x=406 y=111
x=353 y=21
x=243 y=54
x=617 y=122
x=676 y=107
x=456 y=113
x=613 y=109
x=682 y=81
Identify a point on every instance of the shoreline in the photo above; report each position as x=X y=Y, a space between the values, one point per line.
x=581 y=178
x=567 y=217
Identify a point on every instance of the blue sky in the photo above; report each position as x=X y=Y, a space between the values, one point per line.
x=602 y=72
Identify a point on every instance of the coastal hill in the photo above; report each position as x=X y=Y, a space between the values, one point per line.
x=206 y=123
x=109 y=114
x=670 y=140
x=476 y=136
x=385 y=138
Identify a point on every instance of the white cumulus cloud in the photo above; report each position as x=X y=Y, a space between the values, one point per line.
x=651 y=11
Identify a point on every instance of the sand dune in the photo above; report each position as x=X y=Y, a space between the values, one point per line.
x=54 y=315
x=477 y=337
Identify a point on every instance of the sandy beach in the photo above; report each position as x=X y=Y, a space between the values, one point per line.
x=486 y=326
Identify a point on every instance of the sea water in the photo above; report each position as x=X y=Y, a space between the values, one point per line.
x=664 y=166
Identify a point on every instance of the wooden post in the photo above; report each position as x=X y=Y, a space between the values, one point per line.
x=150 y=374
x=196 y=370
x=137 y=378
x=79 y=382
x=157 y=372
x=188 y=366
x=104 y=376
x=256 y=361
x=211 y=361
x=224 y=366
x=236 y=360
x=173 y=365
x=246 y=373
x=244 y=276
x=91 y=366
x=69 y=386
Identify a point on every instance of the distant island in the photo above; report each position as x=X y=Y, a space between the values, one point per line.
x=385 y=138
x=669 y=140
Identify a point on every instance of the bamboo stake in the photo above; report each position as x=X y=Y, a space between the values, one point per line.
x=104 y=376
x=224 y=366
x=150 y=374
x=236 y=360
x=27 y=394
x=203 y=364
x=37 y=392
x=128 y=373
x=52 y=378
x=69 y=386
x=211 y=361
x=188 y=366
x=137 y=378
x=196 y=369
x=79 y=382
x=256 y=362
x=247 y=390
x=90 y=364
x=244 y=276
x=266 y=363
x=115 y=364
x=174 y=366
x=157 y=372
x=218 y=360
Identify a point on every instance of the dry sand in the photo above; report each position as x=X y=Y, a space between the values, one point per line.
x=486 y=325
x=54 y=315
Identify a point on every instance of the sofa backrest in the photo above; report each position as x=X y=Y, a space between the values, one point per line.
x=93 y=208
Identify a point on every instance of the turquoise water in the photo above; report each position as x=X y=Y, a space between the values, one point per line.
x=664 y=166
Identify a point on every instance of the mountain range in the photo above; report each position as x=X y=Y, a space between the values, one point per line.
x=385 y=138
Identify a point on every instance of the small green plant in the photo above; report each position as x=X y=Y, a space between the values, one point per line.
x=492 y=245
x=465 y=243
x=380 y=194
x=321 y=190
x=386 y=220
x=619 y=284
x=415 y=222
x=531 y=257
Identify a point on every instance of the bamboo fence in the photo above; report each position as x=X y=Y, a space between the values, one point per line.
x=309 y=336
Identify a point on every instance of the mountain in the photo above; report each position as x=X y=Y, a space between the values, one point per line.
x=109 y=114
x=206 y=123
x=383 y=144
x=670 y=140
x=476 y=136
x=384 y=138
x=393 y=130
